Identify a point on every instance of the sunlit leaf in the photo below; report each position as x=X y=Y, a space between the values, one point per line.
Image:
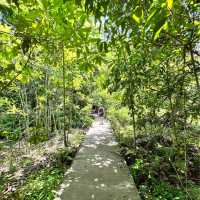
x=151 y=16
x=136 y=18
x=170 y=4
x=163 y=27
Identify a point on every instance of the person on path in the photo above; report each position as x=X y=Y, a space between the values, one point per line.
x=101 y=114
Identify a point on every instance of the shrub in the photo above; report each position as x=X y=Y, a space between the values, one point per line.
x=40 y=185
x=64 y=157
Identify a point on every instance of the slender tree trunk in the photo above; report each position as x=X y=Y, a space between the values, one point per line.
x=194 y=68
x=53 y=120
x=47 y=105
x=24 y=105
x=64 y=101
x=172 y=119
x=134 y=125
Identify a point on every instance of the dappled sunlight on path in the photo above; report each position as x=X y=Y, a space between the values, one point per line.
x=98 y=172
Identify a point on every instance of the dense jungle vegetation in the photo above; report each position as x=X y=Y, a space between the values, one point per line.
x=137 y=58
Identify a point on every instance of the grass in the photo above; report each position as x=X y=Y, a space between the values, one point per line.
x=41 y=184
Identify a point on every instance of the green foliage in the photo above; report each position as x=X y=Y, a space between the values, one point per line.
x=162 y=190
x=37 y=135
x=100 y=97
x=54 y=64
x=121 y=115
x=82 y=118
x=157 y=164
x=3 y=180
x=8 y=126
x=27 y=161
x=156 y=176
x=41 y=185
x=64 y=157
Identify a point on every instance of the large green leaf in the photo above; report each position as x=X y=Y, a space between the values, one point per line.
x=136 y=18
x=169 y=4
x=163 y=27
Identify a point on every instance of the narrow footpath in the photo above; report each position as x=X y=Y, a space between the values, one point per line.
x=98 y=172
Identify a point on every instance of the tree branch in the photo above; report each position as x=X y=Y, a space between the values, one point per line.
x=18 y=73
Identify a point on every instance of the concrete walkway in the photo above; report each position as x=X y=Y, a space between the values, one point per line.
x=98 y=172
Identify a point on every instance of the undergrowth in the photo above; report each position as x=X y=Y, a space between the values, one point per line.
x=41 y=184
x=157 y=164
x=42 y=180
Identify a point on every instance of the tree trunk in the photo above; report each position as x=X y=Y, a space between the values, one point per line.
x=134 y=125
x=64 y=100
